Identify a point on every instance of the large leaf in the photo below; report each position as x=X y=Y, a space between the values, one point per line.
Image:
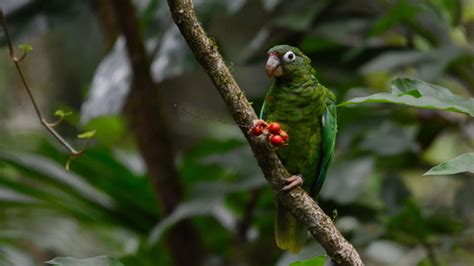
x=462 y=163
x=214 y=207
x=208 y=199
x=47 y=182
x=10 y=199
x=55 y=175
x=129 y=188
x=117 y=197
x=419 y=94
x=95 y=261
x=132 y=195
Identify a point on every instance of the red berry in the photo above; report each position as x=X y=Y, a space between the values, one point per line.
x=256 y=131
x=274 y=128
x=283 y=135
x=262 y=123
x=276 y=140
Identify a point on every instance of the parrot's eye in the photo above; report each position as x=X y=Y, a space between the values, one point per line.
x=289 y=56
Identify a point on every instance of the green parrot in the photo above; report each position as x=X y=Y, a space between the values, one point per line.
x=306 y=110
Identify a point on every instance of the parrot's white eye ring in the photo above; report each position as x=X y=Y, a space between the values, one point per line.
x=289 y=56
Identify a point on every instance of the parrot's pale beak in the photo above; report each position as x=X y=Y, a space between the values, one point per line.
x=273 y=66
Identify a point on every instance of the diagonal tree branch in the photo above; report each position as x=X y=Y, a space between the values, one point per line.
x=297 y=200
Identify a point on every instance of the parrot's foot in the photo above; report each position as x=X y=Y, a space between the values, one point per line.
x=293 y=181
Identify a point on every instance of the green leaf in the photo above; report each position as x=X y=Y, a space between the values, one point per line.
x=418 y=93
x=462 y=163
x=48 y=183
x=26 y=47
x=87 y=134
x=208 y=199
x=316 y=261
x=110 y=129
x=317 y=44
x=61 y=113
x=409 y=226
x=400 y=12
x=301 y=19
x=193 y=164
x=412 y=226
x=95 y=261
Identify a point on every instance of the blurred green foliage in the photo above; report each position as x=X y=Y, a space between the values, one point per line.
x=316 y=261
x=96 y=261
x=385 y=206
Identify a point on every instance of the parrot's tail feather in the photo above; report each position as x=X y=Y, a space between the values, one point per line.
x=289 y=234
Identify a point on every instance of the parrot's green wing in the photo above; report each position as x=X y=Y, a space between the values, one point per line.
x=328 y=140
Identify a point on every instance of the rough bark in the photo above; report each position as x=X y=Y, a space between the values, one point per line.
x=297 y=200
x=149 y=125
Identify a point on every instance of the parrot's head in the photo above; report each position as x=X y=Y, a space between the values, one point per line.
x=287 y=61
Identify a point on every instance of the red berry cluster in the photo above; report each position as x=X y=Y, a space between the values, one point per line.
x=277 y=136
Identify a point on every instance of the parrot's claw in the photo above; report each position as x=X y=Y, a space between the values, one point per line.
x=293 y=181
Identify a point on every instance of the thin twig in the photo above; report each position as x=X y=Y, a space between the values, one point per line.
x=296 y=200
x=49 y=126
